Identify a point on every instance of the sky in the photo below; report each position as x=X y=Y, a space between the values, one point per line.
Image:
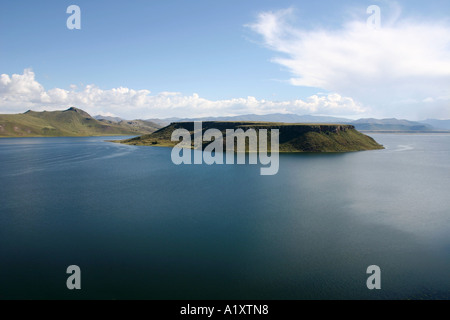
x=177 y=58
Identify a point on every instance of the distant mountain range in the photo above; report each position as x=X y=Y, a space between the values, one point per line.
x=274 y=117
x=390 y=125
x=438 y=124
x=76 y=122
x=70 y=122
x=373 y=125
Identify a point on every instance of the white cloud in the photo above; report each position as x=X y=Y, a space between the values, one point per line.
x=19 y=93
x=20 y=84
x=404 y=59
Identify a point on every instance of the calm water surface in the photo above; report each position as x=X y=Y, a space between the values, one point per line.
x=142 y=227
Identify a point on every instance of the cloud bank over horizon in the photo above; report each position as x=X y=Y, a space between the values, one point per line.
x=400 y=69
x=21 y=92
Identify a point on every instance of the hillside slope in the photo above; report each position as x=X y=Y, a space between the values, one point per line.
x=70 y=122
x=292 y=137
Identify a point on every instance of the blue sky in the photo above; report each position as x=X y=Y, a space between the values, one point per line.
x=139 y=59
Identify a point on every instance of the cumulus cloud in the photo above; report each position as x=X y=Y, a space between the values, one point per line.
x=19 y=93
x=404 y=59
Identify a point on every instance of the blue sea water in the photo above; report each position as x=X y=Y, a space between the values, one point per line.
x=141 y=227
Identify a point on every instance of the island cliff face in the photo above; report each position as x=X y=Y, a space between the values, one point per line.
x=292 y=137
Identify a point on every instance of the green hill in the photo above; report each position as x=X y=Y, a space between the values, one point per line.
x=70 y=122
x=292 y=137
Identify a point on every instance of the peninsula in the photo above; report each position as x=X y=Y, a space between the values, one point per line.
x=293 y=137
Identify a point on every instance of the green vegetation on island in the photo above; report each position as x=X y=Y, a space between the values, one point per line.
x=70 y=122
x=292 y=137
